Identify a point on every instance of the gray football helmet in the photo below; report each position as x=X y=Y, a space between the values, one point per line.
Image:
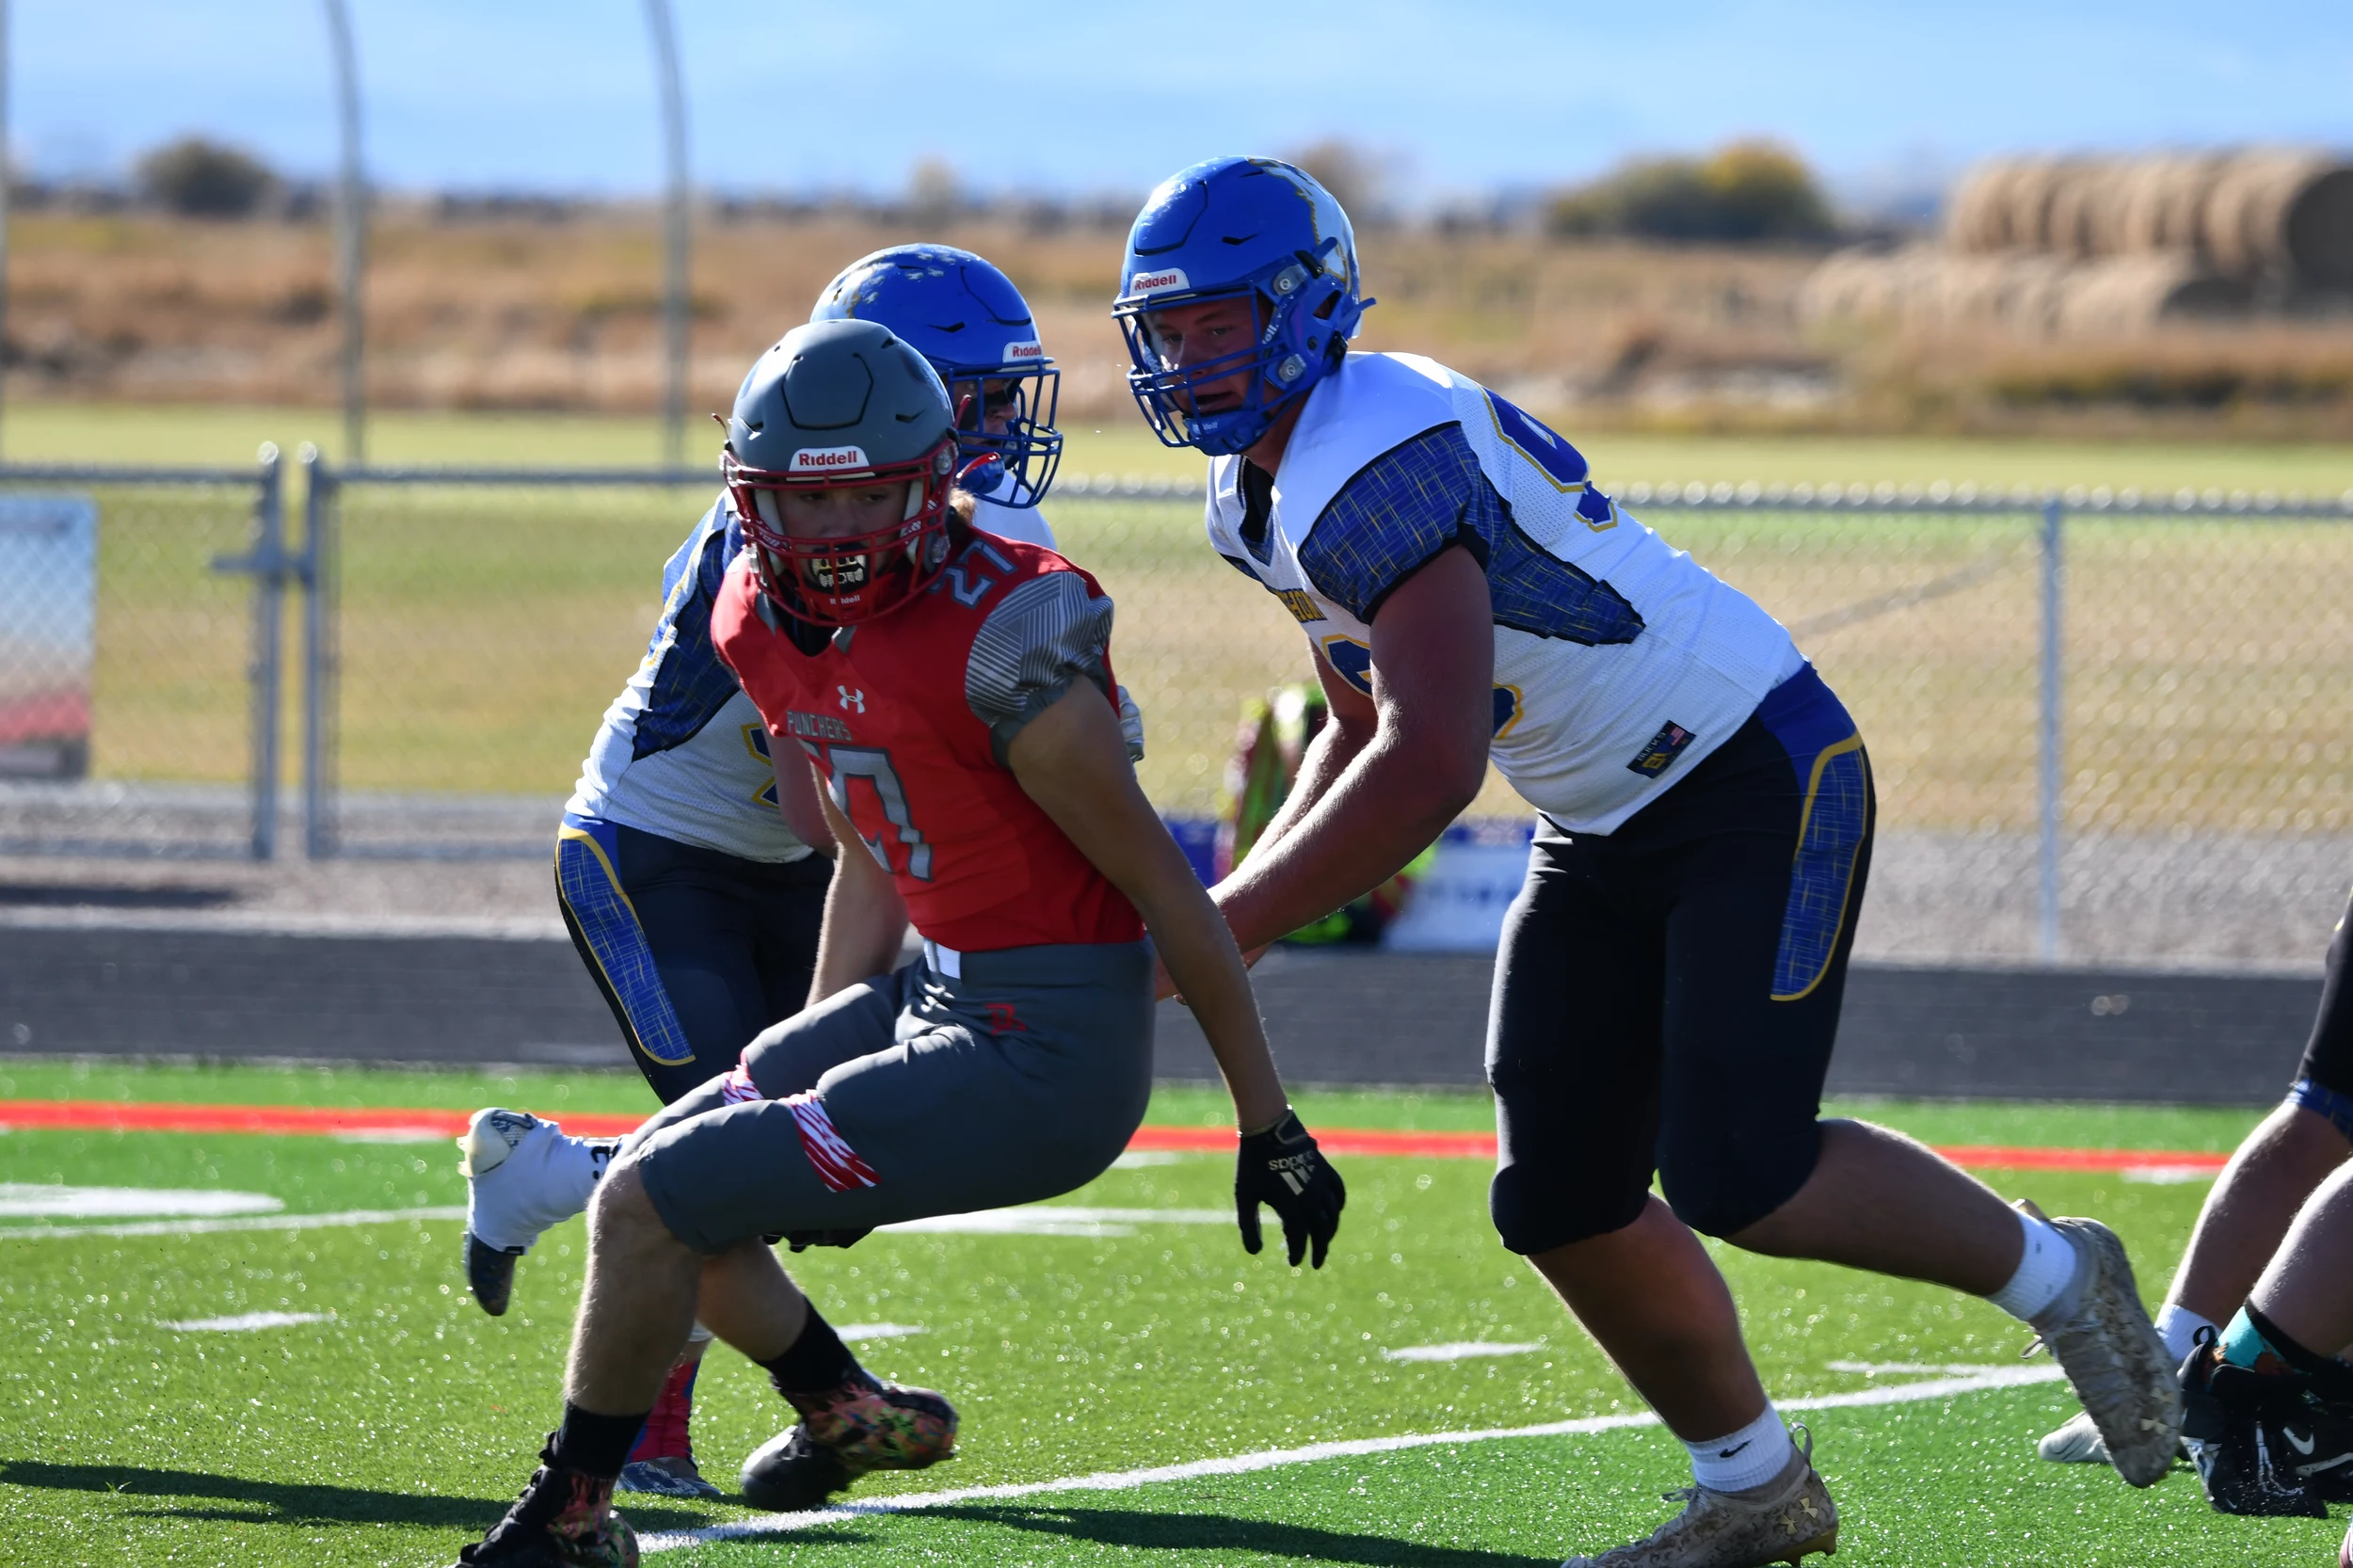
x=841 y=406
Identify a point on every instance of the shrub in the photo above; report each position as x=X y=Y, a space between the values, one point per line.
x=205 y=178
x=1747 y=192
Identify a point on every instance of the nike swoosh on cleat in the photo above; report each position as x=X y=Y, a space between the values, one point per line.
x=2301 y=1444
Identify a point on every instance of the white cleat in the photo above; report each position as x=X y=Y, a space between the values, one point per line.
x=522 y=1175
x=1783 y=1521
x=2076 y=1443
x=2100 y=1333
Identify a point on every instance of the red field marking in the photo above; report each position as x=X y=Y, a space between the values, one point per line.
x=122 y=1116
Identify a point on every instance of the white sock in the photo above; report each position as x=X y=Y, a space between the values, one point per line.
x=1750 y=1457
x=2043 y=1269
x=2178 y=1327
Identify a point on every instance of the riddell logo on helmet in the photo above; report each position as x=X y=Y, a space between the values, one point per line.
x=828 y=459
x=1155 y=283
x=1031 y=350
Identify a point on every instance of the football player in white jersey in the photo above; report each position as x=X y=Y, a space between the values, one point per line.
x=1669 y=984
x=691 y=872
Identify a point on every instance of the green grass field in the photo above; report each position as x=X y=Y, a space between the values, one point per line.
x=400 y=1420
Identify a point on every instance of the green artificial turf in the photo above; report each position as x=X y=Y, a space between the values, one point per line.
x=400 y=1424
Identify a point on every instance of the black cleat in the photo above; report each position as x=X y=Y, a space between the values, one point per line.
x=2248 y=1435
x=491 y=1273
x=794 y=1474
x=564 y=1519
x=864 y=1425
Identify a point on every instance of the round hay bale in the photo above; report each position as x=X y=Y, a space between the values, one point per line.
x=1977 y=217
x=2078 y=220
x=2248 y=212
x=2318 y=229
x=2027 y=213
x=2162 y=201
x=2124 y=296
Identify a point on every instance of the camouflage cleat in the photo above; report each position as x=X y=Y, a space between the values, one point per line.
x=564 y=1519
x=1779 y=1522
x=2100 y=1335
x=866 y=1426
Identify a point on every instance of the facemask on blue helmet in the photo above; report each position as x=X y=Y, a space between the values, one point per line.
x=1264 y=240
x=969 y=320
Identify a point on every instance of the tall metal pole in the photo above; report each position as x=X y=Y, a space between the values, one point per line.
x=675 y=250
x=2049 y=774
x=5 y=171
x=351 y=233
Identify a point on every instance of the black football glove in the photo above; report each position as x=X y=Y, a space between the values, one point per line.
x=1283 y=1168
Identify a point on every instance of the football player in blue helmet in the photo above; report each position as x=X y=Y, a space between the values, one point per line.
x=1668 y=985
x=1256 y=264
x=968 y=319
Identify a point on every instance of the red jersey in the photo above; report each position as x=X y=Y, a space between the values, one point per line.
x=908 y=718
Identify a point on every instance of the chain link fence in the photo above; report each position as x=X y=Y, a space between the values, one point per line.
x=468 y=631
x=139 y=656
x=2106 y=727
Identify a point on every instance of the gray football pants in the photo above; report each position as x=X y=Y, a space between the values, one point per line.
x=1018 y=1076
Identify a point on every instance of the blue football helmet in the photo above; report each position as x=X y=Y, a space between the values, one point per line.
x=1238 y=227
x=969 y=320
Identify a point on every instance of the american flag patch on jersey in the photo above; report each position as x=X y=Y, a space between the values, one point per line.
x=1665 y=746
x=835 y=1164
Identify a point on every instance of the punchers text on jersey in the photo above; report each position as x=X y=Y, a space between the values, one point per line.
x=682 y=752
x=908 y=718
x=1605 y=637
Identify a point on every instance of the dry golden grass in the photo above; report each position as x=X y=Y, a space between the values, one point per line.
x=516 y=313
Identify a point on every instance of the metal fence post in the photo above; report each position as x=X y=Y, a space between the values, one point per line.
x=269 y=599
x=2053 y=636
x=318 y=571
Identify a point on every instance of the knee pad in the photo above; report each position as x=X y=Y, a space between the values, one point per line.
x=1720 y=1189
x=1535 y=1211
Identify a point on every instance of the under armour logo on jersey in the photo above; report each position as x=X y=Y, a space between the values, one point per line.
x=852 y=702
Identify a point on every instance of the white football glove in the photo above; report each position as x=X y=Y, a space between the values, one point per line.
x=1131 y=725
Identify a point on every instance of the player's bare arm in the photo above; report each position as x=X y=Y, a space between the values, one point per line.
x=797 y=796
x=1353 y=720
x=1073 y=761
x=1434 y=652
x=866 y=920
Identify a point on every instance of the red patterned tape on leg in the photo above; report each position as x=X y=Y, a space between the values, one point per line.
x=837 y=1165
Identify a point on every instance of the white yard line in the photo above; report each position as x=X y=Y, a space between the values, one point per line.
x=245 y=1323
x=1980 y=1380
x=264 y=1222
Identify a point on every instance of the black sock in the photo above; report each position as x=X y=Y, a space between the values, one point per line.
x=817 y=1363
x=595 y=1444
x=2330 y=1378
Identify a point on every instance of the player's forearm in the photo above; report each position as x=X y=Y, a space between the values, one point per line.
x=1329 y=754
x=1385 y=809
x=866 y=925
x=1201 y=958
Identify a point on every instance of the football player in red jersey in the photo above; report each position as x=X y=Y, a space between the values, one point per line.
x=953 y=692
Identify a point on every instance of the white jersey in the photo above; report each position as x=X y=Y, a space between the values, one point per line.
x=1619 y=660
x=682 y=752
x=1025 y=523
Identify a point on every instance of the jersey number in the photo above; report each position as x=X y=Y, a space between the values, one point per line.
x=844 y=764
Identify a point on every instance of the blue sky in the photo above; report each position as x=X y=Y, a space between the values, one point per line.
x=1074 y=97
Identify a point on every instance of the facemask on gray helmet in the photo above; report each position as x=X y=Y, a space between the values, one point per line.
x=841 y=456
